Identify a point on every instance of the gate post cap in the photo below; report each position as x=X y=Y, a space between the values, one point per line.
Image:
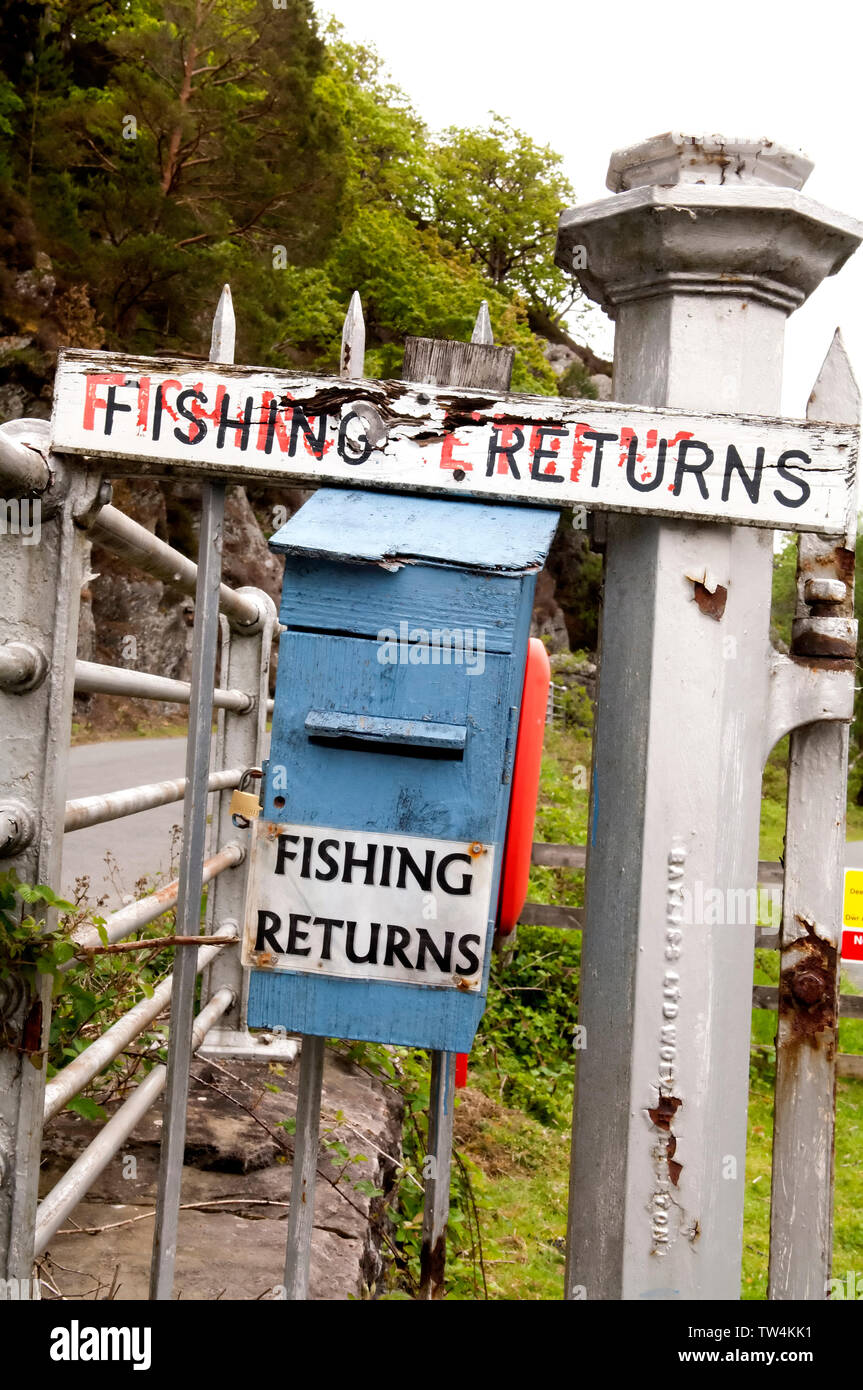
x=674 y=158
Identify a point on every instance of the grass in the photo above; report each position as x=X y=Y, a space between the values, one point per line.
x=83 y=732
x=848 y=1200
x=520 y=1173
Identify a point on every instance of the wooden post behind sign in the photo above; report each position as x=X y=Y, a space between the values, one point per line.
x=477 y=363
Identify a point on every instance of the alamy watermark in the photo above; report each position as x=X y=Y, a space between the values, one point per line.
x=448 y=646
x=21 y=517
x=851 y=1287
x=727 y=907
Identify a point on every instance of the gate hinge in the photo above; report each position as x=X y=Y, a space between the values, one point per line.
x=802 y=692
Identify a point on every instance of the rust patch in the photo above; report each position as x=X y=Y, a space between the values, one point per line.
x=823 y=644
x=674 y=1168
x=822 y=663
x=433 y=1266
x=840 y=560
x=664 y=1112
x=712 y=605
x=31 y=1033
x=808 y=991
x=661 y=1116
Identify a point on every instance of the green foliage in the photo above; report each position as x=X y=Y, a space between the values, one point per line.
x=784 y=593
x=155 y=150
x=87 y=1000
x=498 y=196
x=28 y=948
x=527 y=1034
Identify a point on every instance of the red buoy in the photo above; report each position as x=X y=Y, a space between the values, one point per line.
x=525 y=787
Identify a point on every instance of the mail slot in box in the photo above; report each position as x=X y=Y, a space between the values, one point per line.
x=375 y=863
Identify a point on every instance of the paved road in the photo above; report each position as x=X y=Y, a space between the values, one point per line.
x=141 y=844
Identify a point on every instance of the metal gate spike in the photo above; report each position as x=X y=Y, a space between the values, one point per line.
x=482 y=330
x=352 y=360
x=835 y=395
x=224 y=329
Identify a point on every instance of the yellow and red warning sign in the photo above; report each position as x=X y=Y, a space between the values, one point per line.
x=852 y=915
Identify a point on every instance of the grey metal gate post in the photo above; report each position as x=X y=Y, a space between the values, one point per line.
x=180 y=1042
x=807 y=1034
x=705 y=250
x=41 y=572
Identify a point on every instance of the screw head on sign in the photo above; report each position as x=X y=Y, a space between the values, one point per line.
x=476 y=849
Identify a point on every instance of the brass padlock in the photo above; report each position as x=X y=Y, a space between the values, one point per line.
x=245 y=806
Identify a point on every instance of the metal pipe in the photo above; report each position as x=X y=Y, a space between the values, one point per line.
x=240 y=741
x=437 y=1185
x=138 y=914
x=24 y=456
x=95 y=810
x=23 y=667
x=301 y=1213
x=74 y=1184
x=135 y=544
x=74 y=1077
x=93 y=679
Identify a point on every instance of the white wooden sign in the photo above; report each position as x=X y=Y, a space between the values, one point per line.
x=245 y=423
x=361 y=906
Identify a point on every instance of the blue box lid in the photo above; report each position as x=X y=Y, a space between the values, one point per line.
x=391 y=528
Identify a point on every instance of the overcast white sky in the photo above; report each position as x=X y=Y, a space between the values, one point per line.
x=588 y=79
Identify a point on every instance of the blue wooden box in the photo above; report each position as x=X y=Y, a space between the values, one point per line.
x=396 y=713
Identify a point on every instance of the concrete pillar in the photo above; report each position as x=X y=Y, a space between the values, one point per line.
x=703 y=251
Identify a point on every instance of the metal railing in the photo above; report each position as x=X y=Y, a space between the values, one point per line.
x=65 y=1196
x=39 y=656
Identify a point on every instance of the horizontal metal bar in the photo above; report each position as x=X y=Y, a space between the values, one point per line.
x=138 y=914
x=93 y=679
x=23 y=456
x=575 y=857
x=74 y=1184
x=767 y=997
x=74 y=1077
x=95 y=810
x=134 y=543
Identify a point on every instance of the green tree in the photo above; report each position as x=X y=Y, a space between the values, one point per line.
x=498 y=196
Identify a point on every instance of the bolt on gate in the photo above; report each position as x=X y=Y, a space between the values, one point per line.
x=701 y=253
